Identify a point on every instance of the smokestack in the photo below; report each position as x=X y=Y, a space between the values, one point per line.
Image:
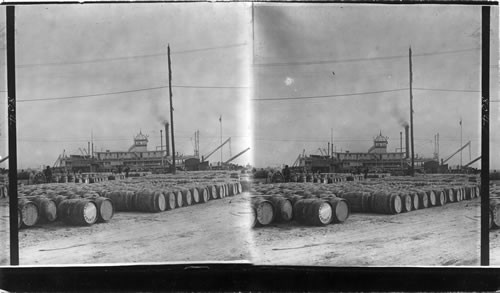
x=167 y=142
x=88 y=148
x=161 y=139
x=401 y=141
x=407 y=136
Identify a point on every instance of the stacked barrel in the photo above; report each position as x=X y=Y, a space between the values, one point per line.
x=86 y=204
x=384 y=196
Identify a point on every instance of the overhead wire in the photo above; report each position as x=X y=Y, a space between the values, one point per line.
x=99 y=60
x=318 y=62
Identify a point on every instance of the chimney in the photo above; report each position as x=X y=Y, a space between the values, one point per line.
x=401 y=141
x=167 y=141
x=407 y=147
x=161 y=139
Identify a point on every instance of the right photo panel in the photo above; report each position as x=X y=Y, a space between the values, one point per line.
x=367 y=135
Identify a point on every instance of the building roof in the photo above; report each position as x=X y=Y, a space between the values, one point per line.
x=381 y=138
x=141 y=136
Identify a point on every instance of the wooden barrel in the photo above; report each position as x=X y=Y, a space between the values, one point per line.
x=386 y=203
x=406 y=202
x=340 y=209
x=195 y=194
x=187 y=198
x=220 y=190
x=432 y=197
x=415 y=200
x=105 y=210
x=121 y=200
x=440 y=197
x=204 y=196
x=495 y=212
x=283 y=208
x=468 y=192
x=230 y=189
x=212 y=192
x=29 y=212
x=423 y=199
x=170 y=200
x=450 y=196
x=294 y=198
x=253 y=217
x=178 y=198
x=47 y=209
x=264 y=211
x=150 y=201
x=78 y=211
x=358 y=201
x=313 y=211
x=458 y=192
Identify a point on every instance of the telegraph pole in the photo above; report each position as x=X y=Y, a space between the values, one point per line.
x=412 y=171
x=220 y=121
x=171 y=108
x=460 y=143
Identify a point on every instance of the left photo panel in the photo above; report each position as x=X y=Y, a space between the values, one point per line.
x=133 y=135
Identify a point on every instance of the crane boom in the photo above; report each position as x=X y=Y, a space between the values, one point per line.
x=206 y=157
x=239 y=154
x=472 y=162
x=460 y=149
x=3 y=159
x=296 y=163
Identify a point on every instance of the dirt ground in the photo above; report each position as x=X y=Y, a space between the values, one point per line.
x=214 y=231
x=219 y=231
x=438 y=236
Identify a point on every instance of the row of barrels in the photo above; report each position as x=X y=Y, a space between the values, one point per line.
x=377 y=199
x=307 y=211
x=157 y=200
x=324 y=178
x=77 y=211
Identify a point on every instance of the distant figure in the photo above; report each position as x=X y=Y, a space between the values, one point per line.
x=366 y=173
x=286 y=173
x=127 y=169
x=48 y=174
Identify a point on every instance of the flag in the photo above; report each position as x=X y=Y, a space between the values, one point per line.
x=220 y=118
x=460 y=122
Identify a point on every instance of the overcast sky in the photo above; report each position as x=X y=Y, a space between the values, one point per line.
x=78 y=50
x=73 y=50
x=322 y=50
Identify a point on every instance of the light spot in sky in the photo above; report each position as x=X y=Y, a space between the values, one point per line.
x=289 y=81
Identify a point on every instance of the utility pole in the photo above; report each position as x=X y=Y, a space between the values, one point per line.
x=412 y=171
x=171 y=108
x=220 y=121
x=460 y=142
x=331 y=141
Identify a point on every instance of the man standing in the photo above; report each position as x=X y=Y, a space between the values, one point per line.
x=48 y=174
